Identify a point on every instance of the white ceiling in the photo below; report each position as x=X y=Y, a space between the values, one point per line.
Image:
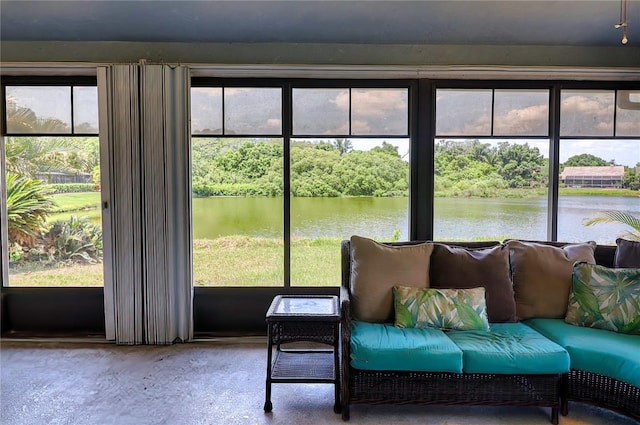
x=516 y=22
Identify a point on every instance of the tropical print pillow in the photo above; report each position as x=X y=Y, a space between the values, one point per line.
x=605 y=298
x=459 y=309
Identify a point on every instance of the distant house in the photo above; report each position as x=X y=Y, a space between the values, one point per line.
x=607 y=176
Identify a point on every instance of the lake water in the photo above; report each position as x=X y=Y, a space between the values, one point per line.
x=379 y=218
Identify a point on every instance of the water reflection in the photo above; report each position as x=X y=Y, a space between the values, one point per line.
x=379 y=218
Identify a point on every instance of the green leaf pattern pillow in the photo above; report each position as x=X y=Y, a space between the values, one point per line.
x=605 y=298
x=460 y=309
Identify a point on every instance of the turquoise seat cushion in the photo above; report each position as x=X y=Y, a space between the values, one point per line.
x=510 y=348
x=598 y=351
x=380 y=346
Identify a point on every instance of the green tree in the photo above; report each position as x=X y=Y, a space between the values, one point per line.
x=585 y=160
x=520 y=165
x=32 y=155
x=465 y=166
x=313 y=171
x=371 y=173
x=248 y=162
x=387 y=148
x=631 y=178
x=343 y=145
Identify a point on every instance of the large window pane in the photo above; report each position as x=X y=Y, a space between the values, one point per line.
x=238 y=212
x=206 y=110
x=597 y=176
x=463 y=112
x=521 y=113
x=252 y=111
x=54 y=215
x=490 y=189
x=380 y=112
x=628 y=113
x=342 y=187
x=38 y=109
x=318 y=112
x=586 y=113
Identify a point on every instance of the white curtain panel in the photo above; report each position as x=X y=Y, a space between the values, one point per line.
x=168 y=290
x=144 y=131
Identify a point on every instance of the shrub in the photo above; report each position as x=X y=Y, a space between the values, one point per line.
x=237 y=189
x=75 y=240
x=71 y=187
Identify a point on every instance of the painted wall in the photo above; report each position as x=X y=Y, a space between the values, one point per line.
x=321 y=54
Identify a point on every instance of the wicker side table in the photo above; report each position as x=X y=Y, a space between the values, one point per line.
x=303 y=318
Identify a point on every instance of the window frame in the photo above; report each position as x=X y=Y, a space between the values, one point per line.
x=287 y=86
x=67 y=311
x=70 y=82
x=555 y=88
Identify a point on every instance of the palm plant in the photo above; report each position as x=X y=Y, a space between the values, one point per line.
x=31 y=155
x=27 y=209
x=25 y=120
x=619 y=217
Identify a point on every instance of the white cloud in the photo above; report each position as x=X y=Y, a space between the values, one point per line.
x=378 y=102
x=341 y=101
x=532 y=120
x=360 y=127
x=232 y=91
x=274 y=123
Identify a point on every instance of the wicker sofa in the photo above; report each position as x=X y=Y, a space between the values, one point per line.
x=551 y=390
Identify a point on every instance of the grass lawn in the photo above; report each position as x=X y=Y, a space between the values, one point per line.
x=74 y=275
x=76 y=201
x=81 y=204
x=225 y=261
x=247 y=261
x=587 y=191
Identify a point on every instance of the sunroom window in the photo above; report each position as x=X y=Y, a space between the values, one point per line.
x=275 y=193
x=52 y=178
x=599 y=164
x=491 y=164
x=356 y=182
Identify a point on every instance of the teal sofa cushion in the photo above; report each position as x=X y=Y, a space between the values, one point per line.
x=598 y=351
x=378 y=346
x=510 y=348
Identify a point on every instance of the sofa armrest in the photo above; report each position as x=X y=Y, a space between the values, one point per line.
x=345 y=322
x=345 y=349
x=345 y=310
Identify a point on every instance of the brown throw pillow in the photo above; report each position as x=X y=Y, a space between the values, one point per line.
x=460 y=268
x=627 y=254
x=376 y=268
x=542 y=276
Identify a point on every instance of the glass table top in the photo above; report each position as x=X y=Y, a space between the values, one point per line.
x=301 y=306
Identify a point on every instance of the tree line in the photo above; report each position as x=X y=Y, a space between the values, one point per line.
x=245 y=167
x=255 y=168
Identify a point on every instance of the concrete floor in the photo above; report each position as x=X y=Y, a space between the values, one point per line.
x=210 y=382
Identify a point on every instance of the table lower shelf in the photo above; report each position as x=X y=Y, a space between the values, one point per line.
x=303 y=366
